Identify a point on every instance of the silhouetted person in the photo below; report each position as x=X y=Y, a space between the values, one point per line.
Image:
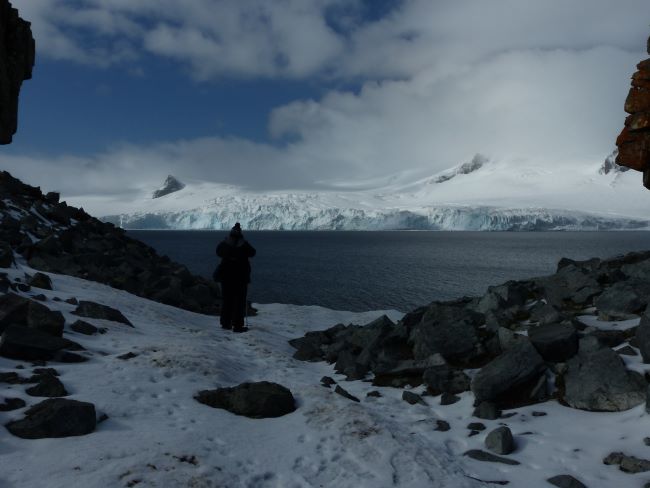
x=234 y=274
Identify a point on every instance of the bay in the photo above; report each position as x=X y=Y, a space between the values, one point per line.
x=400 y=270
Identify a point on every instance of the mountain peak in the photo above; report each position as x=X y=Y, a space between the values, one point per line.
x=170 y=185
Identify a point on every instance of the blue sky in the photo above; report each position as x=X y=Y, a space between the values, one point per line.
x=316 y=93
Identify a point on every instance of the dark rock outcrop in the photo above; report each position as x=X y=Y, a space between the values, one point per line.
x=57 y=417
x=255 y=400
x=17 y=54
x=555 y=342
x=566 y=481
x=18 y=310
x=170 y=185
x=634 y=141
x=48 y=386
x=599 y=381
x=67 y=240
x=19 y=342
x=500 y=441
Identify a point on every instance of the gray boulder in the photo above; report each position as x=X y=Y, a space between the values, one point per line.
x=57 y=417
x=406 y=372
x=41 y=280
x=19 y=342
x=98 y=311
x=445 y=379
x=18 y=310
x=500 y=441
x=507 y=380
x=47 y=386
x=345 y=394
x=84 y=328
x=555 y=342
x=565 y=481
x=412 y=398
x=543 y=313
x=599 y=381
x=258 y=400
x=487 y=411
x=6 y=255
x=620 y=302
x=10 y=404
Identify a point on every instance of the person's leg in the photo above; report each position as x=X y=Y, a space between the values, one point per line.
x=239 y=307
x=227 y=303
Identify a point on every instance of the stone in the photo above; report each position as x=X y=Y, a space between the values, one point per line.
x=98 y=311
x=405 y=372
x=344 y=393
x=449 y=399
x=327 y=381
x=10 y=404
x=18 y=310
x=627 y=464
x=565 y=481
x=127 y=356
x=261 y=399
x=555 y=342
x=500 y=441
x=40 y=280
x=47 y=386
x=444 y=379
x=599 y=381
x=476 y=426
x=84 y=328
x=480 y=455
x=31 y=344
x=507 y=379
x=442 y=426
x=642 y=338
x=55 y=417
x=413 y=398
x=72 y=301
x=619 y=302
x=17 y=54
x=627 y=351
x=6 y=255
x=374 y=394
x=543 y=314
x=487 y=411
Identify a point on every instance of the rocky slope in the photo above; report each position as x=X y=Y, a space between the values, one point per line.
x=17 y=54
x=52 y=236
x=634 y=141
x=562 y=337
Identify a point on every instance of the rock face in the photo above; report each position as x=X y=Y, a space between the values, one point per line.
x=17 y=53
x=634 y=141
x=69 y=241
x=58 y=417
x=256 y=400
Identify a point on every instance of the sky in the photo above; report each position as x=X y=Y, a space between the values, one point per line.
x=316 y=94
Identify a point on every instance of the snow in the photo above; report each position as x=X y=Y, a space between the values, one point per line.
x=158 y=435
x=497 y=194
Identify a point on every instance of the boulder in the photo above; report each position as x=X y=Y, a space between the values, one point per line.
x=500 y=441
x=412 y=398
x=445 y=379
x=620 y=302
x=15 y=309
x=599 y=381
x=555 y=342
x=55 y=417
x=345 y=394
x=84 y=328
x=565 y=481
x=19 y=342
x=6 y=255
x=487 y=411
x=405 y=372
x=10 y=404
x=508 y=379
x=47 y=386
x=543 y=313
x=262 y=399
x=41 y=280
x=98 y=311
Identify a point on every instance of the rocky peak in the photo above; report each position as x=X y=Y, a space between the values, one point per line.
x=170 y=185
x=634 y=141
x=477 y=162
x=17 y=53
x=610 y=165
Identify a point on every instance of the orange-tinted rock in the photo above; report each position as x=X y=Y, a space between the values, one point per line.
x=634 y=141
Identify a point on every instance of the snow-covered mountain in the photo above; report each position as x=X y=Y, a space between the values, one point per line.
x=480 y=194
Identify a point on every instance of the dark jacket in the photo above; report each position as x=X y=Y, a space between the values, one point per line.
x=234 y=266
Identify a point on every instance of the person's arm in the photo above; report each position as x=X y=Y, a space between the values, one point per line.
x=249 y=250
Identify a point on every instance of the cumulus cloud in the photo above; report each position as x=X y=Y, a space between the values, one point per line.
x=439 y=81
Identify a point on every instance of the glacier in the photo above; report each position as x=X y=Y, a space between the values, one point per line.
x=479 y=195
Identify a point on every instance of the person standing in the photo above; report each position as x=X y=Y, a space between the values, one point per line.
x=234 y=274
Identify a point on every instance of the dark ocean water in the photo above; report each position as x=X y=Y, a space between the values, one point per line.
x=380 y=270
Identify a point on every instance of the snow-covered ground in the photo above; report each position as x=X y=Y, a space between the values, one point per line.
x=158 y=435
x=482 y=194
